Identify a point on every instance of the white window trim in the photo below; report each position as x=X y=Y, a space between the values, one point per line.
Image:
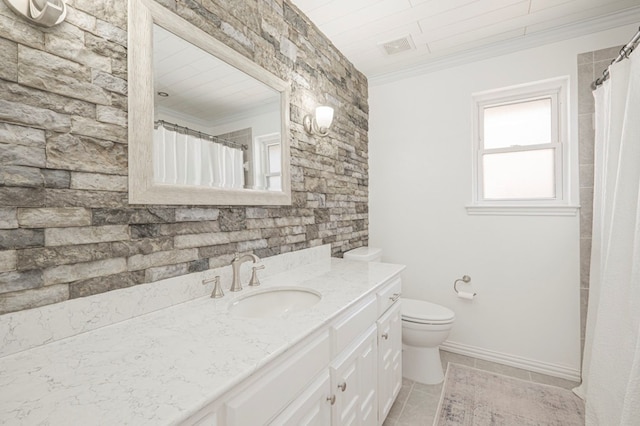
x=561 y=205
x=263 y=141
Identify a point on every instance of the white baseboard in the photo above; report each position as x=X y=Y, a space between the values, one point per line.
x=512 y=360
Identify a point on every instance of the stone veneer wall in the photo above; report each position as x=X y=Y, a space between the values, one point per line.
x=590 y=66
x=66 y=229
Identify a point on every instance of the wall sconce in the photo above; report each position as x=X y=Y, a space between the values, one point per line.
x=319 y=125
x=46 y=13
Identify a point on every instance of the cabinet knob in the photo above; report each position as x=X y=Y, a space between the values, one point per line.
x=342 y=386
x=332 y=399
x=395 y=297
x=385 y=336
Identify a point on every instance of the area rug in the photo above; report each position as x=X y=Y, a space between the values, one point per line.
x=472 y=397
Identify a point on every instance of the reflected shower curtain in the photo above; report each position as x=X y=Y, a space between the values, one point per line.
x=233 y=170
x=611 y=362
x=188 y=160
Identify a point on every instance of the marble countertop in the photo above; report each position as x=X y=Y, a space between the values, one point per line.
x=162 y=367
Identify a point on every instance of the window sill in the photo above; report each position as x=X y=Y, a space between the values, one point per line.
x=523 y=210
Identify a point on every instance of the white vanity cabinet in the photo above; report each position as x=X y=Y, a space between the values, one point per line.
x=354 y=366
x=389 y=360
x=256 y=401
x=389 y=325
x=311 y=408
x=346 y=373
x=353 y=381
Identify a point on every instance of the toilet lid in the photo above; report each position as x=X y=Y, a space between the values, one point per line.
x=422 y=311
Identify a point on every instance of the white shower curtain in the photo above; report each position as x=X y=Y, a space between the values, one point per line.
x=233 y=170
x=611 y=362
x=188 y=160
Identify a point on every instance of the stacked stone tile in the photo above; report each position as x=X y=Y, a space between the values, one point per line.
x=66 y=228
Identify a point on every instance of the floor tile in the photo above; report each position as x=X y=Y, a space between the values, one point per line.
x=396 y=410
x=404 y=391
x=389 y=422
x=417 y=403
x=553 y=381
x=506 y=370
x=431 y=390
x=415 y=413
x=447 y=357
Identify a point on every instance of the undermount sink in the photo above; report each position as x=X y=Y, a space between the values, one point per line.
x=274 y=302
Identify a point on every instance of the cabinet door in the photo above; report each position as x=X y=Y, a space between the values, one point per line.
x=389 y=360
x=276 y=387
x=311 y=408
x=353 y=381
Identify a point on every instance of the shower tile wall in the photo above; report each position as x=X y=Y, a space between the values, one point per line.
x=66 y=228
x=590 y=66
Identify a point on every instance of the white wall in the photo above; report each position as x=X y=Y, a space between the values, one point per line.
x=261 y=124
x=525 y=269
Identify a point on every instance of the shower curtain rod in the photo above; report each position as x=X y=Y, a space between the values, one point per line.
x=188 y=131
x=624 y=54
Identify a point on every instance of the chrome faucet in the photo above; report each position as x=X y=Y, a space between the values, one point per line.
x=235 y=265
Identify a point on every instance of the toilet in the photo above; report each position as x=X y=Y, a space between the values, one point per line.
x=425 y=326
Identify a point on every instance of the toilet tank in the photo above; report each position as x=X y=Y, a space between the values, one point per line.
x=364 y=254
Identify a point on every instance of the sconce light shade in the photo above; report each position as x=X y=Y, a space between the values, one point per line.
x=320 y=124
x=324 y=117
x=46 y=13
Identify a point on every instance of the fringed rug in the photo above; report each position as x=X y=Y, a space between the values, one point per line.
x=472 y=397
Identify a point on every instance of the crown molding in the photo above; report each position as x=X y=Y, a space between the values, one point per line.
x=540 y=38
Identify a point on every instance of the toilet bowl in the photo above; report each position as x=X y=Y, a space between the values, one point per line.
x=425 y=326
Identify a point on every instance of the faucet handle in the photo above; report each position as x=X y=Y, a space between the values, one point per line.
x=217 y=288
x=254 y=281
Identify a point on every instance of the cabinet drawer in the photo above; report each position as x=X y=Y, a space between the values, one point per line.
x=353 y=323
x=264 y=398
x=388 y=295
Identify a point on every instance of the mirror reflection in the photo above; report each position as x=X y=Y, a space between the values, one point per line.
x=214 y=125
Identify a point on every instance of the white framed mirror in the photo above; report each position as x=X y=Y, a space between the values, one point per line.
x=207 y=126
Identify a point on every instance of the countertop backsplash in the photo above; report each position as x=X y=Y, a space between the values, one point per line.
x=169 y=365
x=34 y=327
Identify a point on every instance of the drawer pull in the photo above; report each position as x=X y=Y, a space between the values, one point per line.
x=395 y=297
x=332 y=399
x=342 y=386
x=385 y=336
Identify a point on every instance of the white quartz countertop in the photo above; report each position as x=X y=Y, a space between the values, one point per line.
x=162 y=367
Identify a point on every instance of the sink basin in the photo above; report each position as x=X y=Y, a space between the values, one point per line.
x=274 y=302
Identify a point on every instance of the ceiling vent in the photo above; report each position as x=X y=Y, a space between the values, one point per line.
x=400 y=45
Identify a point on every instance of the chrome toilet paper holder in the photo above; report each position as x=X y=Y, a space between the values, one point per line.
x=465 y=279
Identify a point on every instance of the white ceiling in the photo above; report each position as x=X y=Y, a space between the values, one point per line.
x=202 y=88
x=446 y=31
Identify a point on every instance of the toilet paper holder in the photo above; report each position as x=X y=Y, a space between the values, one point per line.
x=465 y=279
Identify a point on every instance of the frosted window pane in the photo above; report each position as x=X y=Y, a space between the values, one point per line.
x=525 y=123
x=274 y=158
x=519 y=175
x=274 y=183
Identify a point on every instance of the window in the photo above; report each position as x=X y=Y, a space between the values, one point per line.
x=269 y=169
x=520 y=150
x=273 y=172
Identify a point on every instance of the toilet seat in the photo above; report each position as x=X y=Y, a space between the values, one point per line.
x=423 y=312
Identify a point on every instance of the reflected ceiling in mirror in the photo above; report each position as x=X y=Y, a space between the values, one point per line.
x=207 y=125
x=209 y=120
x=202 y=88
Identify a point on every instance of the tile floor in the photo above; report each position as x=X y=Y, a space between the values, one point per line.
x=416 y=404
